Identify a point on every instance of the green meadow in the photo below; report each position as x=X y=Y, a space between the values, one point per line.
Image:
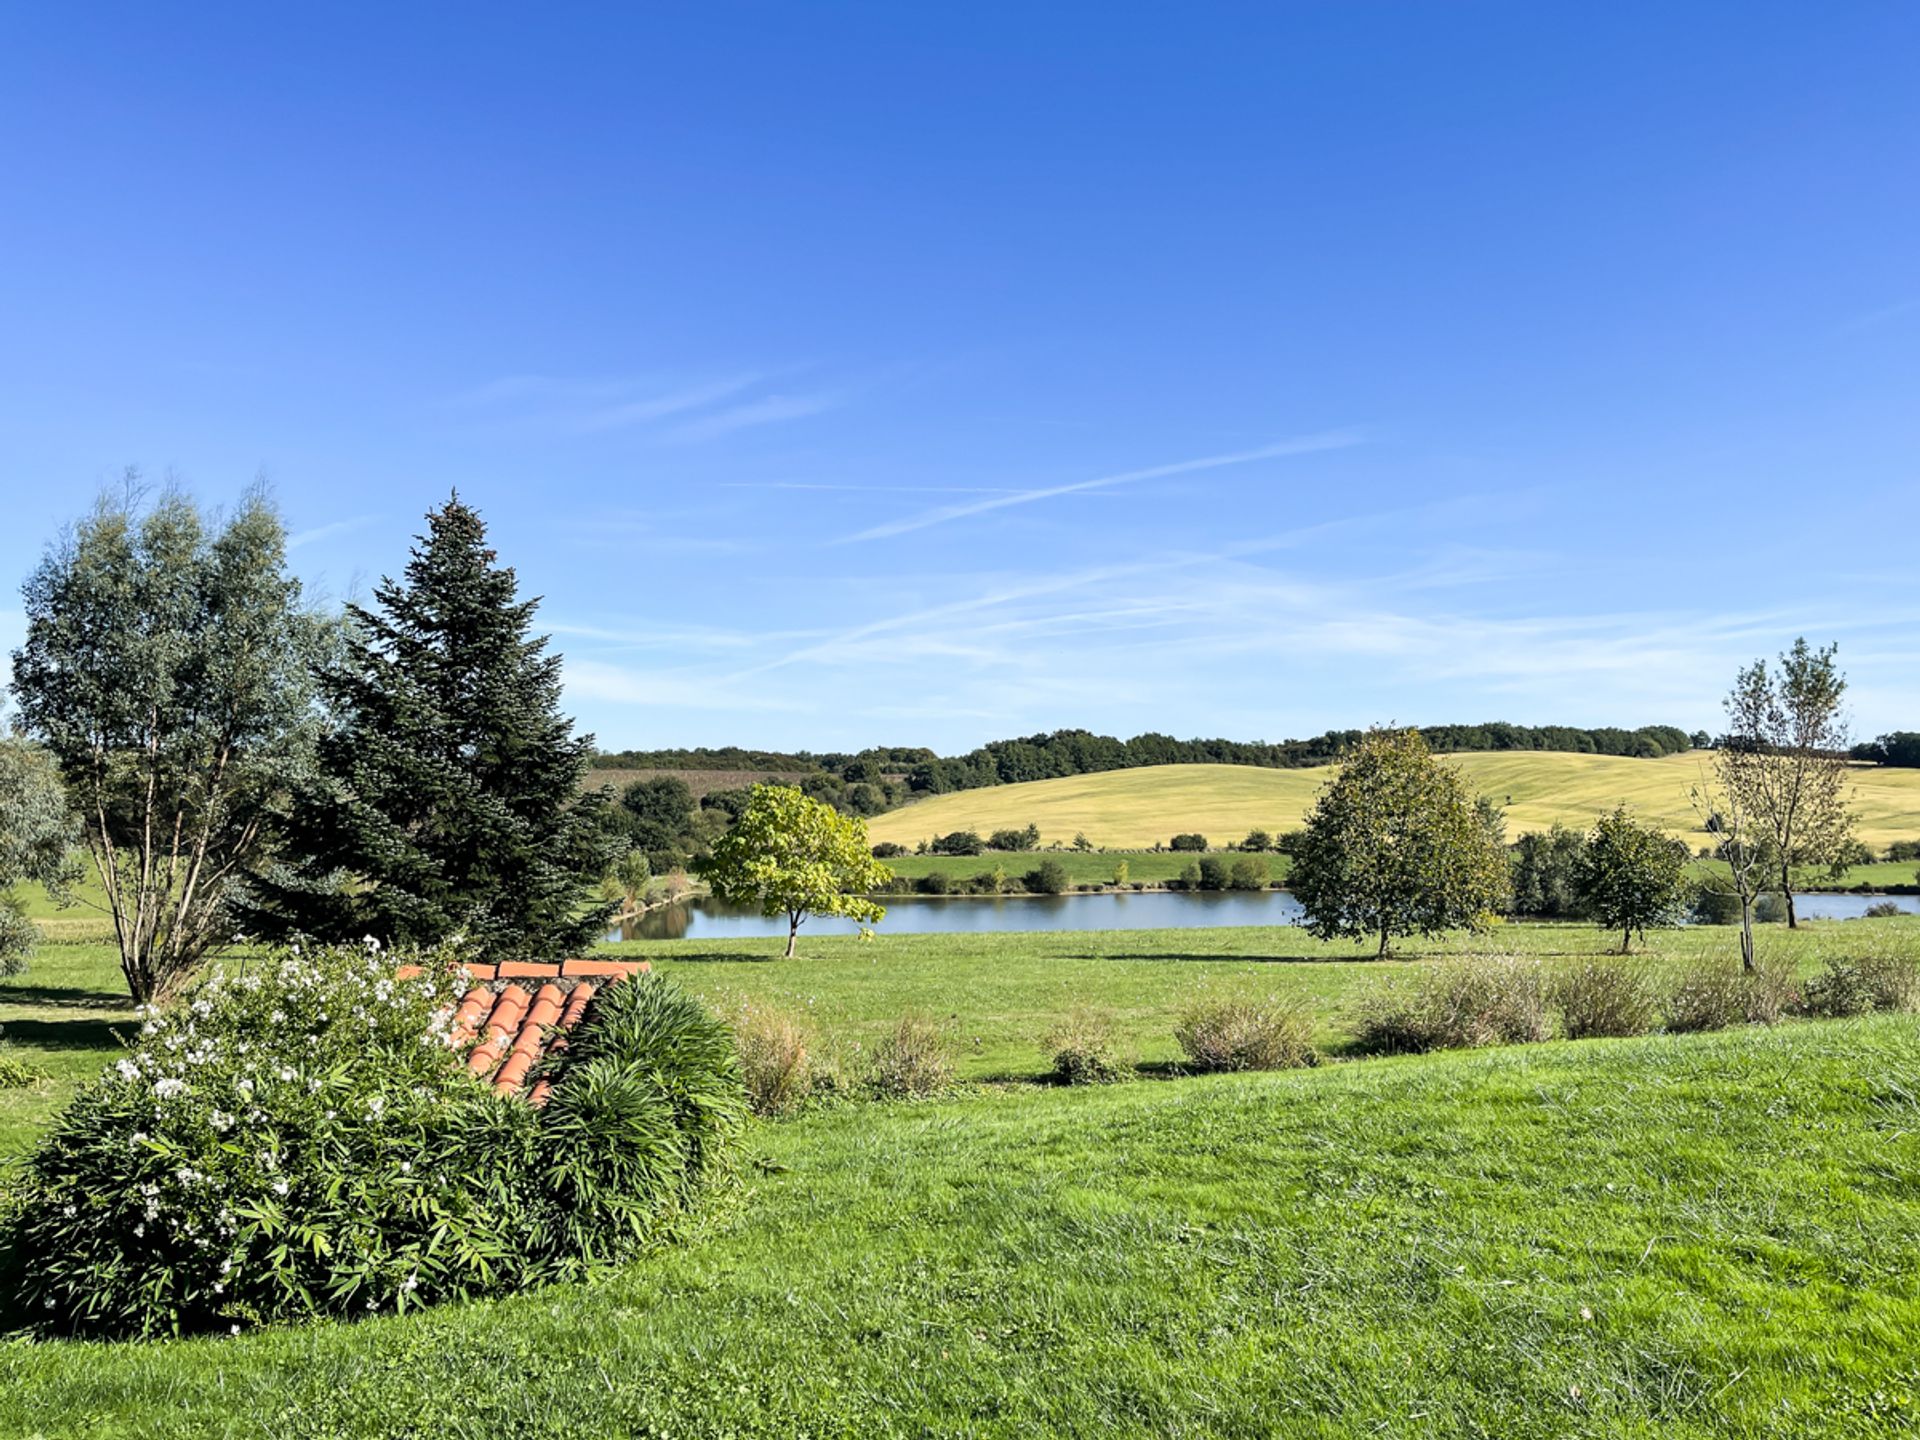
x=1674 y=1236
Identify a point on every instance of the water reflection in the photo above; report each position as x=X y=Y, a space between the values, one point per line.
x=707 y=919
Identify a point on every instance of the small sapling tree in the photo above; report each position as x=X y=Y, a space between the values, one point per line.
x=796 y=856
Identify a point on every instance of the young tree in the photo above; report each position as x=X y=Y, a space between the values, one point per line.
x=1630 y=876
x=166 y=670
x=1718 y=801
x=1790 y=737
x=1397 y=846
x=793 y=855
x=36 y=833
x=448 y=805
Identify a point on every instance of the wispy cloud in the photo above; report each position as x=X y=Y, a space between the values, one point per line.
x=869 y=489
x=302 y=538
x=1300 y=445
x=682 y=410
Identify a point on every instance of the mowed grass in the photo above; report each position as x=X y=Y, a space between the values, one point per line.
x=1144 y=867
x=1122 y=809
x=1674 y=1237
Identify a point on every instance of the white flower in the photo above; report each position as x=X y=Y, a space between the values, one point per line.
x=128 y=1070
x=166 y=1089
x=220 y=1121
x=280 y=1186
x=287 y=1072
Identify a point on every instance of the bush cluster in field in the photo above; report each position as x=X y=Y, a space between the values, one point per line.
x=296 y=1138
x=783 y=1067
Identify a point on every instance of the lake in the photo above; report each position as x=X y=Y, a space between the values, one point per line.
x=707 y=919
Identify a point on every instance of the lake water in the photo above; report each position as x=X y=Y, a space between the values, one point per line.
x=706 y=919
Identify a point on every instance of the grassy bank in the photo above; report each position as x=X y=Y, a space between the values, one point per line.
x=1678 y=1237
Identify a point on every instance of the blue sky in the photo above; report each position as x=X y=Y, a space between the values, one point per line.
x=850 y=374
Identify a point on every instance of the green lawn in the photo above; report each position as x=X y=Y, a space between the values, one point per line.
x=1144 y=867
x=1677 y=1236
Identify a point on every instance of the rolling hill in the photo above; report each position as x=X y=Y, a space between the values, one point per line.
x=1125 y=809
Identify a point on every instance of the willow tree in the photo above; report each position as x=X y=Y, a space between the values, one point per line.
x=166 y=670
x=1785 y=757
x=792 y=855
x=1398 y=845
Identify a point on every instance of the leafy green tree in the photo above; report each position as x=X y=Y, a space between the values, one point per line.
x=1546 y=872
x=167 y=671
x=1081 y=844
x=1630 y=876
x=448 y=806
x=1397 y=846
x=36 y=833
x=791 y=854
x=1188 y=842
x=1049 y=877
x=1257 y=841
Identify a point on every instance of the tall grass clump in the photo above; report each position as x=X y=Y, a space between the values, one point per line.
x=1457 y=1004
x=1246 y=1034
x=1712 y=995
x=1083 y=1049
x=777 y=1063
x=912 y=1062
x=1600 y=998
x=298 y=1139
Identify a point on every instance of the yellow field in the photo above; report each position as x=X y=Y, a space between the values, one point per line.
x=1131 y=809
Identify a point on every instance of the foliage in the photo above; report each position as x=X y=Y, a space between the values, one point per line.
x=914 y=1061
x=1786 y=757
x=448 y=801
x=1188 y=841
x=1545 y=874
x=1121 y=873
x=1599 y=998
x=1714 y=904
x=1901 y=748
x=36 y=831
x=1711 y=996
x=935 y=882
x=1083 y=1049
x=1214 y=873
x=630 y=874
x=1247 y=874
x=1257 y=841
x=1457 y=1004
x=796 y=856
x=960 y=842
x=15 y=1073
x=166 y=670
x=1861 y=984
x=1049 y=877
x=1246 y=1034
x=1015 y=840
x=1883 y=910
x=296 y=1138
x=1395 y=846
x=1630 y=876
x=886 y=850
x=776 y=1057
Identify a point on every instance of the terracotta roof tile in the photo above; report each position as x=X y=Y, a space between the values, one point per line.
x=518 y=1026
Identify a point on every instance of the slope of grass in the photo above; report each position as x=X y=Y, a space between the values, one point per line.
x=1685 y=1237
x=1133 y=808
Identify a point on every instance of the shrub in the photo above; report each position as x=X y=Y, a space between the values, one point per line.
x=776 y=1061
x=1861 y=985
x=1083 y=1049
x=1121 y=874
x=1015 y=840
x=888 y=850
x=1257 y=841
x=1713 y=905
x=1769 y=909
x=913 y=1062
x=1189 y=878
x=1288 y=842
x=296 y=1138
x=1904 y=850
x=1247 y=875
x=1049 y=877
x=15 y=1073
x=934 y=883
x=1188 y=842
x=1883 y=910
x=1707 y=996
x=1477 y=1000
x=1214 y=873
x=960 y=842
x=1246 y=1034
x=1604 y=998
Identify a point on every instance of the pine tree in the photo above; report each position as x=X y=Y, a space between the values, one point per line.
x=449 y=806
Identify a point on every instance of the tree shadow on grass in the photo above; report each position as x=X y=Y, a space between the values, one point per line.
x=64 y=997
x=723 y=957
x=1214 y=957
x=92 y=1034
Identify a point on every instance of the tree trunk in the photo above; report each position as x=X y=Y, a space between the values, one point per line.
x=793 y=934
x=1383 y=942
x=1746 y=934
x=1786 y=891
x=1626 y=941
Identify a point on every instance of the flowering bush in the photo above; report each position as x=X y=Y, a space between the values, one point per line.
x=296 y=1138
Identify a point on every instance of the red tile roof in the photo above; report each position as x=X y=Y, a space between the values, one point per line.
x=517 y=1024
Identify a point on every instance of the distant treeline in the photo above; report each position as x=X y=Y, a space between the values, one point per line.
x=897 y=771
x=1079 y=752
x=1901 y=747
